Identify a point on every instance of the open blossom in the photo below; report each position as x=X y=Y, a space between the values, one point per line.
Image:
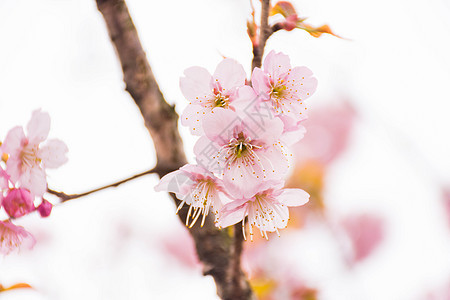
x=196 y=187
x=266 y=206
x=28 y=159
x=205 y=91
x=244 y=151
x=12 y=237
x=18 y=202
x=282 y=87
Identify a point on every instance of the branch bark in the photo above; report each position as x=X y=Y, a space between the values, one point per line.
x=217 y=249
x=265 y=31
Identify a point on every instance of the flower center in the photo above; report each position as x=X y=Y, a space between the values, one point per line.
x=241 y=145
x=29 y=157
x=221 y=100
x=278 y=93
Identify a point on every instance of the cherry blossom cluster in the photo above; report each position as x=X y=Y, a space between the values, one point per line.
x=23 y=180
x=242 y=153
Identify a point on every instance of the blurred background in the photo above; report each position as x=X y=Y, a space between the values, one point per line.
x=375 y=158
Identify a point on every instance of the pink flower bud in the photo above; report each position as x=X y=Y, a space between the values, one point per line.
x=45 y=208
x=18 y=203
x=290 y=23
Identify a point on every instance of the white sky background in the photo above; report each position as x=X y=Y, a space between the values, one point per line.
x=56 y=55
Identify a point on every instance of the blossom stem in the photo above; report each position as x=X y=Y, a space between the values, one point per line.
x=66 y=197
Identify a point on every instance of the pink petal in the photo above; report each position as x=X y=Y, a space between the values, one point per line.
x=173 y=182
x=34 y=179
x=241 y=175
x=192 y=117
x=293 y=197
x=196 y=86
x=260 y=83
x=53 y=153
x=305 y=83
x=14 y=140
x=276 y=64
x=264 y=128
x=38 y=127
x=230 y=74
x=219 y=125
x=4 y=178
x=232 y=213
x=245 y=100
x=207 y=155
x=13 y=168
x=275 y=161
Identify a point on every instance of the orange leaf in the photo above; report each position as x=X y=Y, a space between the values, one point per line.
x=317 y=31
x=284 y=8
x=15 y=286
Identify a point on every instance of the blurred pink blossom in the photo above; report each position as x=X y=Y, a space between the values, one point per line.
x=180 y=246
x=446 y=202
x=12 y=237
x=365 y=233
x=18 y=202
x=27 y=159
x=328 y=134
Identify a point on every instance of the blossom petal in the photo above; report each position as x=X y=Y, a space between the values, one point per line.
x=34 y=179
x=196 y=85
x=230 y=74
x=232 y=213
x=293 y=197
x=276 y=64
x=38 y=127
x=246 y=99
x=14 y=140
x=174 y=182
x=219 y=125
x=53 y=153
x=260 y=83
x=192 y=117
x=305 y=83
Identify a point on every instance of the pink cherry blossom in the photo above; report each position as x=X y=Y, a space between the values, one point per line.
x=28 y=159
x=242 y=150
x=18 y=202
x=45 y=208
x=267 y=208
x=329 y=132
x=205 y=91
x=283 y=87
x=196 y=187
x=12 y=237
x=365 y=233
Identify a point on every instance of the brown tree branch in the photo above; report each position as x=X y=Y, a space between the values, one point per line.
x=265 y=31
x=214 y=247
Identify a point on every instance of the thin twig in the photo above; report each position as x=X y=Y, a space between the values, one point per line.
x=66 y=197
